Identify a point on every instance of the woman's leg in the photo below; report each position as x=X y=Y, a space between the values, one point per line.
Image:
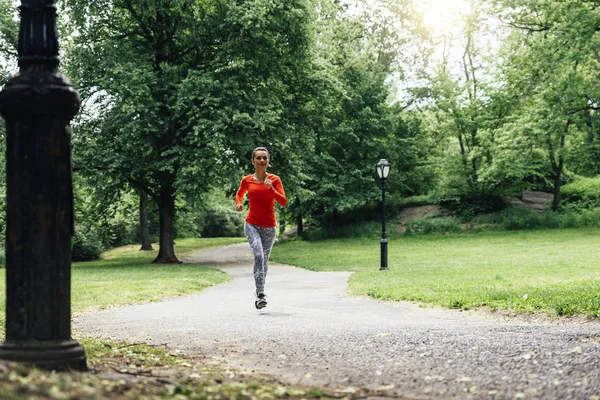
x=261 y=241
x=267 y=236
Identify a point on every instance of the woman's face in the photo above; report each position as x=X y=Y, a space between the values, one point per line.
x=261 y=159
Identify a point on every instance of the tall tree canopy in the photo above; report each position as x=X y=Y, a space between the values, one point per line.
x=552 y=72
x=349 y=117
x=175 y=89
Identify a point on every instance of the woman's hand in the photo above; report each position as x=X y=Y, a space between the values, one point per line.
x=269 y=183
x=239 y=207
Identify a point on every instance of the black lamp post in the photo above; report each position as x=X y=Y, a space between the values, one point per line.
x=383 y=170
x=38 y=104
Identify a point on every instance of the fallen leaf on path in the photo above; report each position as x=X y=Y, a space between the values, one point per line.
x=437 y=378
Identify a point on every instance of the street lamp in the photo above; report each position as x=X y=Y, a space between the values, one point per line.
x=383 y=170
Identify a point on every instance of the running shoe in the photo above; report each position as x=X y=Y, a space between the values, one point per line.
x=261 y=301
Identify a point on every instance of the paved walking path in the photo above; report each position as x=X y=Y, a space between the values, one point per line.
x=312 y=332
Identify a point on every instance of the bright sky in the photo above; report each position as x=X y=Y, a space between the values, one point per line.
x=443 y=16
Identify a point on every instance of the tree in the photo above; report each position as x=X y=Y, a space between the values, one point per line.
x=464 y=109
x=176 y=89
x=554 y=68
x=144 y=229
x=348 y=118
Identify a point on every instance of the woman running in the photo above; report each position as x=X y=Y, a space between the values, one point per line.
x=263 y=190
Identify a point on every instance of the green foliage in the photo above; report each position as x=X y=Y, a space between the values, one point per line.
x=350 y=124
x=178 y=92
x=8 y=44
x=361 y=229
x=509 y=219
x=470 y=204
x=435 y=225
x=582 y=193
x=527 y=220
x=220 y=222
x=85 y=246
x=523 y=219
x=108 y=214
x=412 y=201
x=211 y=216
x=9 y=31
x=551 y=70
x=464 y=104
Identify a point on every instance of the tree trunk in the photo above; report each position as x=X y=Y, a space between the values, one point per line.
x=557 y=162
x=281 y=222
x=299 y=225
x=144 y=230
x=465 y=162
x=556 y=198
x=300 y=231
x=166 y=209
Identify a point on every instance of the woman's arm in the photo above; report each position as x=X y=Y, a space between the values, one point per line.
x=278 y=192
x=239 y=196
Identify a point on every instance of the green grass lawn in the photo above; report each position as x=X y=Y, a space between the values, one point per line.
x=126 y=275
x=556 y=272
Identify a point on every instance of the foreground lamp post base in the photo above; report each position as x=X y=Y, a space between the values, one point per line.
x=60 y=355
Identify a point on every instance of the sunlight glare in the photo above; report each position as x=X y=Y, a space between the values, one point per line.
x=443 y=15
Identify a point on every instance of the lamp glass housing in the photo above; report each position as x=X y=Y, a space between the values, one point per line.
x=383 y=168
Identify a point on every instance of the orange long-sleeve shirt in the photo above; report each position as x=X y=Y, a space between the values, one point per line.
x=262 y=200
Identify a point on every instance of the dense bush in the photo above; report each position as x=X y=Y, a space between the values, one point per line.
x=110 y=216
x=212 y=216
x=412 y=201
x=362 y=229
x=581 y=193
x=85 y=246
x=222 y=223
x=335 y=219
x=508 y=219
x=518 y=219
x=433 y=225
x=469 y=205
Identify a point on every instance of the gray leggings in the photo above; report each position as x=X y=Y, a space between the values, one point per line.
x=261 y=241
